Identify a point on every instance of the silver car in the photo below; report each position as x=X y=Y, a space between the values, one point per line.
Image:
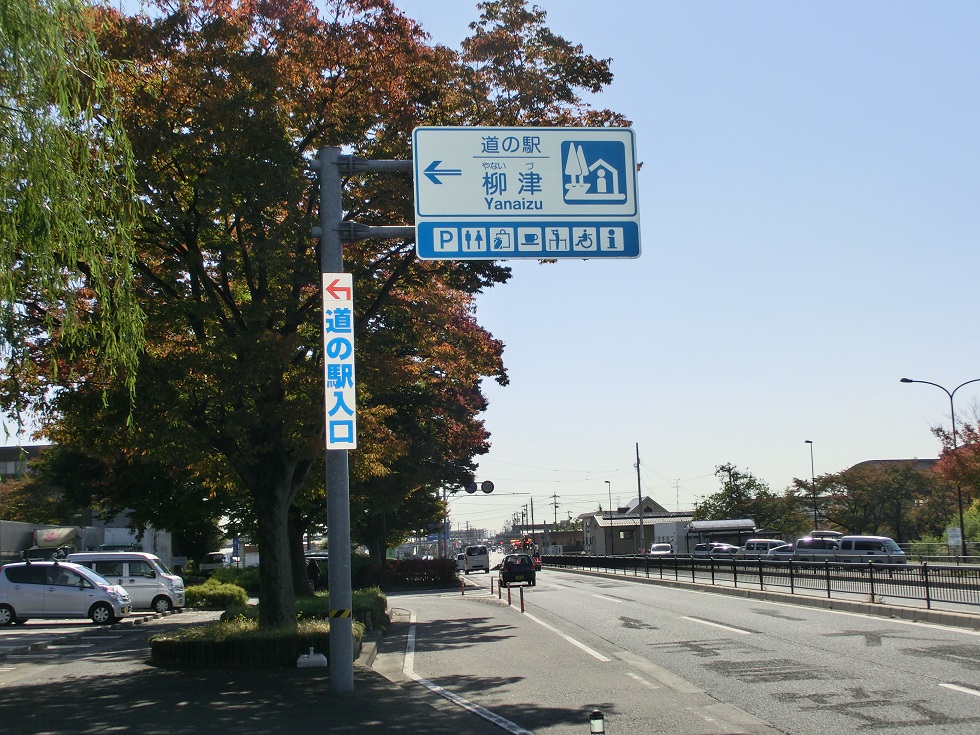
x=52 y=589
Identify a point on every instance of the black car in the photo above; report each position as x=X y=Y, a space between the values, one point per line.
x=516 y=568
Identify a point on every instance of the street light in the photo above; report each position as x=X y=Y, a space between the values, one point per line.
x=952 y=415
x=813 y=484
x=612 y=528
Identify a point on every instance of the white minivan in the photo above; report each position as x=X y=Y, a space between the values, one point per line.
x=757 y=548
x=877 y=549
x=475 y=558
x=45 y=589
x=149 y=582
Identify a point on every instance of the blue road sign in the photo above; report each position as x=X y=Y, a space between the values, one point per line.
x=487 y=193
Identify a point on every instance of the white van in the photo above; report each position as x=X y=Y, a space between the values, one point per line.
x=757 y=548
x=877 y=549
x=150 y=584
x=475 y=558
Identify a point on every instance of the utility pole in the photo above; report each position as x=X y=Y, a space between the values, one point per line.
x=639 y=503
x=554 y=502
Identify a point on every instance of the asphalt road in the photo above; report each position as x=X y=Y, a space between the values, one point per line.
x=656 y=659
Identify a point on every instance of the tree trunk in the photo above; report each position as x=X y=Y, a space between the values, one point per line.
x=297 y=528
x=276 y=608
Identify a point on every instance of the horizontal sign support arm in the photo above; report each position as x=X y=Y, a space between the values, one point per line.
x=350 y=165
x=353 y=231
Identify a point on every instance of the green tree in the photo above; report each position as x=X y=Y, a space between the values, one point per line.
x=225 y=104
x=67 y=204
x=742 y=495
x=149 y=492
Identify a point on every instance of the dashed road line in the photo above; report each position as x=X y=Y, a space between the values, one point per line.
x=962 y=690
x=644 y=682
x=611 y=599
x=718 y=625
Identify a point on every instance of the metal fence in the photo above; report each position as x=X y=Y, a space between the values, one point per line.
x=925 y=583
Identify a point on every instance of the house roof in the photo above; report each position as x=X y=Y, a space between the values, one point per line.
x=615 y=520
x=649 y=506
x=922 y=465
x=739 y=524
x=19 y=454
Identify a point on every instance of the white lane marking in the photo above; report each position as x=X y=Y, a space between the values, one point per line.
x=717 y=625
x=409 y=665
x=611 y=599
x=579 y=644
x=962 y=690
x=644 y=682
x=476 y=709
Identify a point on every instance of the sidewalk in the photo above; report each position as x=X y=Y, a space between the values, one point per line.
x=68 y=696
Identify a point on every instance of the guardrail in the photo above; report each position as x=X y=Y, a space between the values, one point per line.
x=926 y=583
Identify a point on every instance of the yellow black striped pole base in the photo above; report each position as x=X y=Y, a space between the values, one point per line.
x=340 y=613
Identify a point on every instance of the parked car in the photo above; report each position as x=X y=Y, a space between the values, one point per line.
x=723 y=550
x=864 y=549
x=460 y=562
x=715 y=548
x=661 y=550
x=756 y=548
x=516 y=568
x=780 y=553
x=815 y=549
x=145 y=577
x=212 y=561
x=56 y=589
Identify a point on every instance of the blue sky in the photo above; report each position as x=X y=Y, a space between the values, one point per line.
x=809 y=216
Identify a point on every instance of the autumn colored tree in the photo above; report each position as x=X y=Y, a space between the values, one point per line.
x=226 y=102
x=888 y=498
x=959 y=465
x=67 y=204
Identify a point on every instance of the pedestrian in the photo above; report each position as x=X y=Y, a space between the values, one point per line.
x=313 y=574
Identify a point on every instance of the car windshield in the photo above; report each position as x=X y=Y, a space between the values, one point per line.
x=94 y=578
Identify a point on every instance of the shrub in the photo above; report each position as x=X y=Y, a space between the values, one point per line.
x=367 y=606
x=241 y=643
x=420 y=573
x=215 y=595
x=247 y=578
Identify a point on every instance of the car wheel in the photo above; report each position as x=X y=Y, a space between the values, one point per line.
x=162 y=604
x=6 y=615
x=102 y=614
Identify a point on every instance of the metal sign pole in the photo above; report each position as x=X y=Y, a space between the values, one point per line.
x=337 y=477
x=332 y=233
